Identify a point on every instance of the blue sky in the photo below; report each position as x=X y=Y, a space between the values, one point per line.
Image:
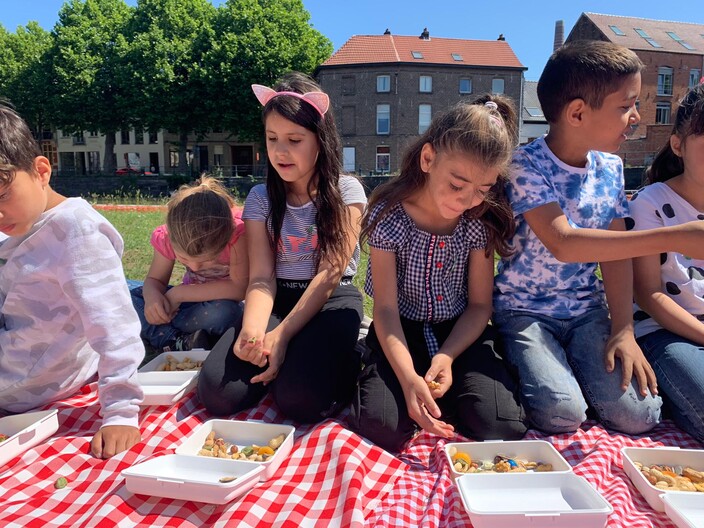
x=527 y=25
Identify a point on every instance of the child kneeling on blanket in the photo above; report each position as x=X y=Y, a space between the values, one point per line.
x=65 y=310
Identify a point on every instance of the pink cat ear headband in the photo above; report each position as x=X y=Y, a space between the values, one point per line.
x=318 y=100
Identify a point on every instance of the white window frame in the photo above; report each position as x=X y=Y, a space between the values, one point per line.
x=425 y=84
x=383 y=117
x=665 y=80
x=663 y=113
x=469 y=81
x=349 y=155
x=498 y=85
x=382 y=166
x=695 y=76
x=383 y=83
x=425 y=112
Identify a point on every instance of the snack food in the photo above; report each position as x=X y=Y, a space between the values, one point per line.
x=252 y=340
x=60 y=483
x=172 y=364
x=219 y=448
x=673 y=478
x=3 y=437
x=463 y=463
x=432 y=385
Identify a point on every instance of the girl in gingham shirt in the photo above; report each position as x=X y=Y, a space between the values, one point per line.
x=432 y=232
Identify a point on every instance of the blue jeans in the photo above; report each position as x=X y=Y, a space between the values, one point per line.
x=215 y=317
x=560 y=362
x=679 y=366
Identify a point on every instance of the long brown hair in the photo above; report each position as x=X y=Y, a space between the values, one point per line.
x=199 y=218
x=689 y=121
x=477 y=130
x=332 y=216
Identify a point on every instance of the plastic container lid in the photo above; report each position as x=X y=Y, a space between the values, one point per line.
x=241 y=433
x=685 y=510
x=517 y=500
x=189 y=478
x=26 y=431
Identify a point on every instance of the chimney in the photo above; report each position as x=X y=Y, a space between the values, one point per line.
x=501 y=37
x=559 y=35
x=387 y=32
x=425 y=35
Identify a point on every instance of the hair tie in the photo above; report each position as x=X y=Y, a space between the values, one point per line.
x=491 y=105
x=318 y=100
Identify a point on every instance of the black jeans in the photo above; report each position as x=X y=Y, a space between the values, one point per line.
x=483 y=400
x=319 y=372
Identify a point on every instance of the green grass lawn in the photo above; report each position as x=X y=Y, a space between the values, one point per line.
x=136 y=228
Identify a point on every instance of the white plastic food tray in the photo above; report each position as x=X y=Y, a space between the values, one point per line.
x=535 y=450
x=25 y=431
x=166 y=388
x=532 y=500
x=241 y=433
x=684 y=510
x=188 y=478
x=669 y=456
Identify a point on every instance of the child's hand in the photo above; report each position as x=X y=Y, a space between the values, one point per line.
x=158 y=310
x=274 y=347
x=439 y=375
x=633 y=363
x=113 y=439
x=422 y=407
x=248 y=347
x=173 y=296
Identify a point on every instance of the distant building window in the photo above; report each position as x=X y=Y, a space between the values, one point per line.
x=417 y=54
x=173 y=158
x=383 y=119
x=153 y=138
x=424 y=114
x=647 y=38
x=65 y=134
x=457 y=57
x=93 y=162
x=383 y=159
x=664 y=80
x=694 y=77
x=383 y=83
x=497 y=86
x=617 y=31
x=124 y=137
x=426 y=84
x=93 y=134
x=78 y=139
x=674 y=36
x=348 y=159
x=138 y=136
x=662 y=113
x=349 y=125
x=465 y=86
x=534 y=111
x=348 y=85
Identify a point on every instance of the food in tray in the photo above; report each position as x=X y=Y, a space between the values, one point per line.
x=172 y=364
x=673 y=478
x=463 y=463
x=3 y=437
x=219 y=448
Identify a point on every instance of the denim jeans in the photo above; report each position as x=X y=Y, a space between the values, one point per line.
x=215 y=317
x=560 y=362
x=679 y=367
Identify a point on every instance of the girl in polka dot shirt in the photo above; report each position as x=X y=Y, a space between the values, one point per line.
x=669 y=287
x=432 y=232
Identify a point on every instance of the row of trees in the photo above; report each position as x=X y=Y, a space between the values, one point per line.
x=180 y=65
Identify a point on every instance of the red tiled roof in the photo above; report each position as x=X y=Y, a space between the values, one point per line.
x=374 y=49
x=691 y=34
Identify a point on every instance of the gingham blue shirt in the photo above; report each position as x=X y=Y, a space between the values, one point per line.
x=431 y=270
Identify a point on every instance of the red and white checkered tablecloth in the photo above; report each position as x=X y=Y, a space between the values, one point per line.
x=332 y=477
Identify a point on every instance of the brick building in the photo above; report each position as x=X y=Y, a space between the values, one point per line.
x=385 y=89
x=673 y=54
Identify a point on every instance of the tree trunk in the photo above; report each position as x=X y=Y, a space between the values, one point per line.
x=109 y=158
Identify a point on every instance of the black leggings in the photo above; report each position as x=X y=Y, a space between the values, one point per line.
x=483 y=400
x=318 y=375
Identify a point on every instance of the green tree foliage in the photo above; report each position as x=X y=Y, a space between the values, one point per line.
x=24 y=74
x=89 y=89
x=169 y=41
x=256 y=42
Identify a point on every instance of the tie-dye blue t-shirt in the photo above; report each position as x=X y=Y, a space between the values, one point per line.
x=591 y=197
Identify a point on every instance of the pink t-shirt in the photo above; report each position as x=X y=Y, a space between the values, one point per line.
x=221 y=270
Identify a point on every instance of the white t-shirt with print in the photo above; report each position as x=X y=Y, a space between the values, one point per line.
x=682 y=277
x=532 y=279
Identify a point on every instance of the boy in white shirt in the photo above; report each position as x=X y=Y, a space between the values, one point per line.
x=65 y=310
